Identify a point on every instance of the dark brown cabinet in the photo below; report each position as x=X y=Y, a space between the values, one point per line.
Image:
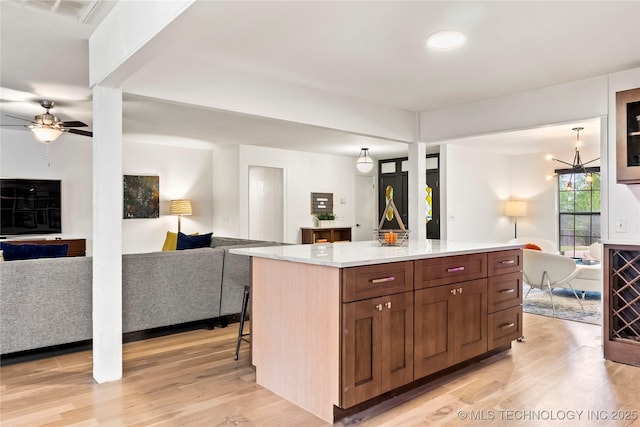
x=450 y=325
x=377 y=334
x=377 y=351
x=312 y=235
x=406 y=320
x=504 y=298
x=621 y=297
x=628 y=136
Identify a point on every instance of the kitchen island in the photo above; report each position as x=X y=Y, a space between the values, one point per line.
x=343 y=325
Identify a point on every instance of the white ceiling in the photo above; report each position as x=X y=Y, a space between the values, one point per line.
x=372 y=51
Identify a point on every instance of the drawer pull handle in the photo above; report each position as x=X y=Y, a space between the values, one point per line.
x=507 y=291
x=507 y=325
x=378 y=307
x=454 y=269
x=508 y=261
x=383 y=280
x=388 y=304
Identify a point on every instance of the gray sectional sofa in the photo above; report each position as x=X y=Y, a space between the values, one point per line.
x=47 y=302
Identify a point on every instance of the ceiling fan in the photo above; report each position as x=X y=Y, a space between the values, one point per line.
x=47 y=127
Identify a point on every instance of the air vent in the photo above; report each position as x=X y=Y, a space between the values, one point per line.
x=80 y=10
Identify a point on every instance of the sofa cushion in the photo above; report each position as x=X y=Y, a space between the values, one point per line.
x=171 y=241
x=13 y=252
x=217 y=241
x=193 y=242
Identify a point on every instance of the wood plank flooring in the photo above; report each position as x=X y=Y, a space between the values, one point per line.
x=556 y=378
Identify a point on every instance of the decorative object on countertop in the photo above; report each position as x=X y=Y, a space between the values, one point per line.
x=388 y=237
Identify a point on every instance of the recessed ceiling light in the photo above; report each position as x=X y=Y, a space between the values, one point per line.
x=444 y=40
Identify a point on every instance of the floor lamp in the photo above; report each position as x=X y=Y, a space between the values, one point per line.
x=180 y=207
x=515 y=209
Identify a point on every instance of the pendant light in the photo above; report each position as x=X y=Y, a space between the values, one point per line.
x=364 y=162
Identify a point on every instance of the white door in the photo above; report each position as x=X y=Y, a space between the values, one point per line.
x=364 y=205
x=266 y=204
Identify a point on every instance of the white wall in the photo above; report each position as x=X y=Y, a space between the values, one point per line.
x=303 y=173
x=478 y=182
x=624 y=200
x=22 y=156
x=563 y=103
x=226 y=197
x=184 y=173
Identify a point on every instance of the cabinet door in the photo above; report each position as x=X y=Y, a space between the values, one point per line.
x=434 y=312
x=377 y=351
x=397 y=341
x=361 y=351
x=450 y=325
x=470 y=319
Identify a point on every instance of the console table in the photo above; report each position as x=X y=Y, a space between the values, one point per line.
x=325 y=234
x=77 y=247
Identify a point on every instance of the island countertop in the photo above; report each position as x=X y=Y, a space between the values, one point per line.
x=352 y=254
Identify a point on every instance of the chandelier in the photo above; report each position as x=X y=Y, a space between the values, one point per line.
x=577 y=166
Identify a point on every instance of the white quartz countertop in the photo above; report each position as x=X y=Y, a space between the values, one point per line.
x=371 y=252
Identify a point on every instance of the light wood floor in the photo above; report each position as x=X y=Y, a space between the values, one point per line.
x=191 y=379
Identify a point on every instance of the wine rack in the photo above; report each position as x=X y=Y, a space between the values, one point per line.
x=622 y=304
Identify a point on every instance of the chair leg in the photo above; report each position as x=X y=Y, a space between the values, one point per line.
x=241 y=334
x=553 y=307
x=576 y=295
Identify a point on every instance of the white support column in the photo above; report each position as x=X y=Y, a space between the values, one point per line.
x=417 y=194
x=107 y=234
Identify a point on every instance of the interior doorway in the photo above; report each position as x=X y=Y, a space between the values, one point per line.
x=266 y=204
x=364 y=206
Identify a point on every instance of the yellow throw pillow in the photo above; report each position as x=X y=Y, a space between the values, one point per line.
x=171 y=241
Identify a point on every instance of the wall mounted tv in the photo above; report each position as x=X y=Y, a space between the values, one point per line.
x=29 y=206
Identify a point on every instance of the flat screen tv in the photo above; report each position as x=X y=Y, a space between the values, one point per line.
x=29 y=206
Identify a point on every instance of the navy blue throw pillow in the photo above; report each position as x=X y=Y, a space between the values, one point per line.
x=13 y=252
x=193 y=242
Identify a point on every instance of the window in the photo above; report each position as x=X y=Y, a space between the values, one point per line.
x=579 y=203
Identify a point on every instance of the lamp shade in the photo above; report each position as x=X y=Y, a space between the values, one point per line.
x=180 y=207
x=515 y=208
x=364 y=162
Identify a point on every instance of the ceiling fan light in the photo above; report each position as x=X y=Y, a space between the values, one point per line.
x=45 y=134
x=364 y=162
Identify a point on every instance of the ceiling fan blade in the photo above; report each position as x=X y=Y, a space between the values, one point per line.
x=80 y=132
x=19 y=118
x=73 y=124
x=3 y=125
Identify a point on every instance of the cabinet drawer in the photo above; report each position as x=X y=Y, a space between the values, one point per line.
x=505 y=291
x=376 y=280
x=504 y=262
x=452 y=269
x=504 y=327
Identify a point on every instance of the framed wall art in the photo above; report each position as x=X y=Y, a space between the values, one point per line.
x=141 y=196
